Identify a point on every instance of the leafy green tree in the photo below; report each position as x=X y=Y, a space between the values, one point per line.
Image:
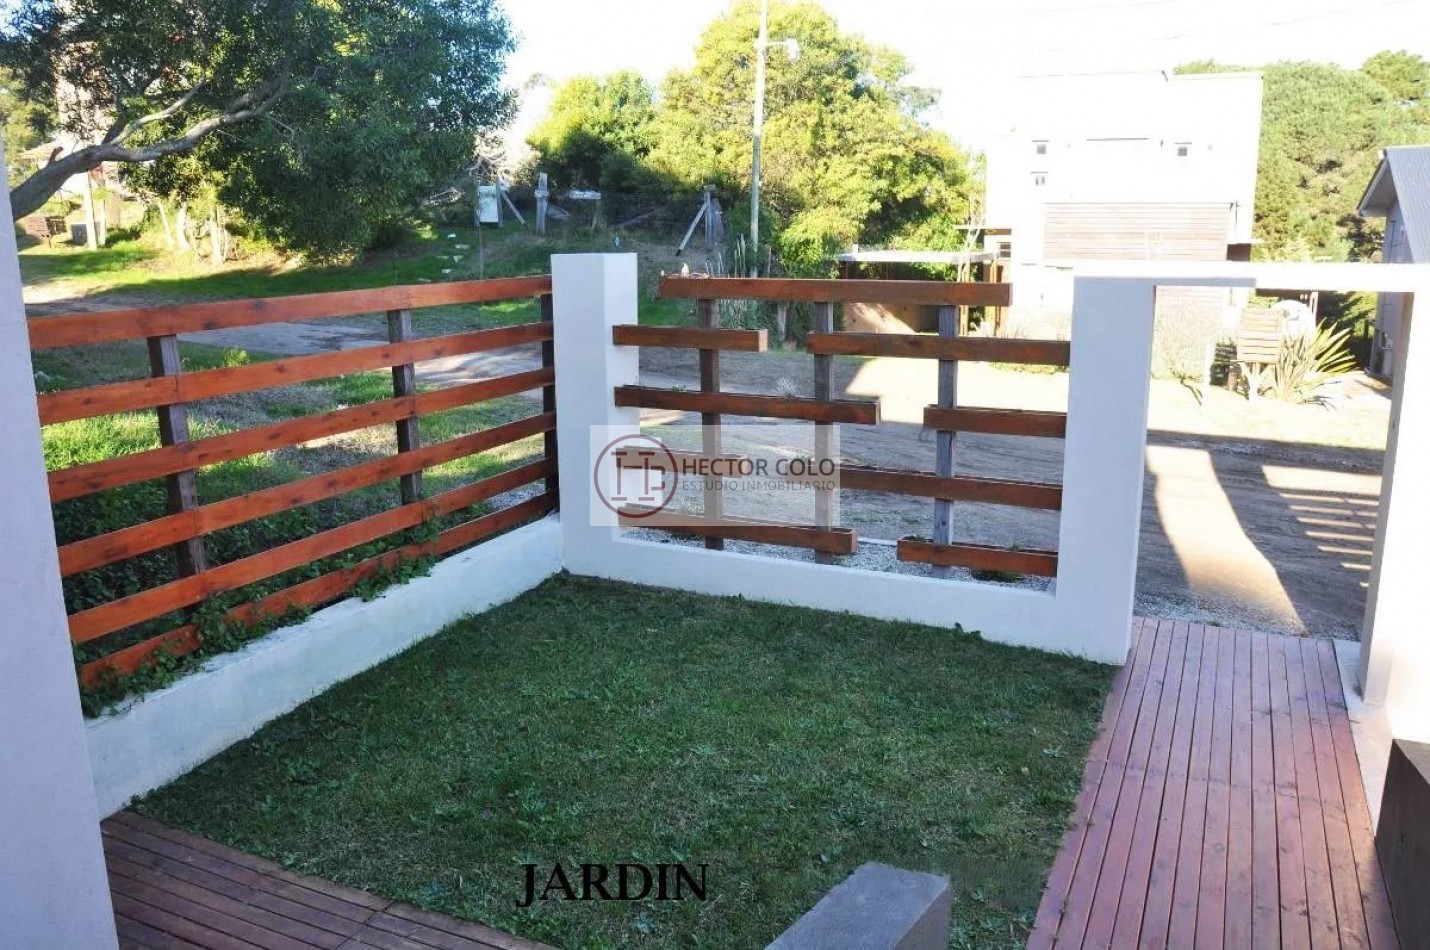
x=1404 y=75
x=846 y=158
x=336 y=114
x=27 y=120
x=598 y=133
x=1322 y=131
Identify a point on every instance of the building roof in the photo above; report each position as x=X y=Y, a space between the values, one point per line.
x=1404 y=176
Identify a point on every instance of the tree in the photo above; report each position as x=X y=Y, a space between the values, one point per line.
x=26 y=120
x=598 y=133
x=1404 y=75
x=302 y=89
x=846 y=158
x=1322 y=131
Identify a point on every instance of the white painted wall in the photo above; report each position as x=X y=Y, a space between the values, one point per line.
x=1113 y=138
x=53 y=888
x=154 y=740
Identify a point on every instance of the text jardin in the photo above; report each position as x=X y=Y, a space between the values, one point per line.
x=630 y=882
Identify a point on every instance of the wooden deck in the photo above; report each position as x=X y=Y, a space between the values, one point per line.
x=1221 y=804
x=173 y=889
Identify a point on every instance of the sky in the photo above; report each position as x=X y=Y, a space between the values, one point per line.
x=968 y=50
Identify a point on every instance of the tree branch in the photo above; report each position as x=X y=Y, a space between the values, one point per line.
x=34 y=191
x=119 y=132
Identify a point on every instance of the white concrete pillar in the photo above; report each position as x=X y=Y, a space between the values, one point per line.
x=1395 y=646
x=53 y=888
x=1103 y=466
x=591 y=293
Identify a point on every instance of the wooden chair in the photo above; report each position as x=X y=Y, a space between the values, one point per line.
x=1258 y=347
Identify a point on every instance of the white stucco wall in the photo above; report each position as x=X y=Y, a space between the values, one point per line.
x=1114 y=138
x=53 y=888
x=164 y=734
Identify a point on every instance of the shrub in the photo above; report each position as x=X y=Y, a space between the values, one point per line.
x=1309 y=363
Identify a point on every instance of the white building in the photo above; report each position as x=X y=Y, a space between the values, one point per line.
x=1399 y=193
x=1121 y=166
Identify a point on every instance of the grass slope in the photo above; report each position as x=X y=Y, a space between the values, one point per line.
x=597 y=722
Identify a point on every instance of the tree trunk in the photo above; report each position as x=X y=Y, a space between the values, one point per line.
x=181 y=227
x=215 y=239
x=91 y=239
x=164 y=223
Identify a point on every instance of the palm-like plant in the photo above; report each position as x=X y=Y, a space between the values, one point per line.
x=1309 y=363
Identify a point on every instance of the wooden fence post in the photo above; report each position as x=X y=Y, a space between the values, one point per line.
x=548 y=393
x=823 y=391
x=404 y=383
x=706 y=317
x=948 y=318
x=182 y=488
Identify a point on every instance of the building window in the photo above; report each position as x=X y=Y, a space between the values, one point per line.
x=1184 y=149
x=1040 y=148
x=1040 y=179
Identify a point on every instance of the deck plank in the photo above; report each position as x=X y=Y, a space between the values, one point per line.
x=1345 y=885
x=1221 y=806
x=1320 y=899
x=1211 y=901
x=1161 y=878
x=1102 y=914
x=174 y=889
x=1131 y=905
x=1186 y=889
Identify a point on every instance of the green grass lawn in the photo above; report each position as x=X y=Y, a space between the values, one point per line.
x=597 y=722
x=434 y=253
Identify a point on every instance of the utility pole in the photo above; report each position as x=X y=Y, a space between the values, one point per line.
x=761 y=46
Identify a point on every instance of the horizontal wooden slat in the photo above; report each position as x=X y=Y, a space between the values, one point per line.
x=106 y=326
x=928 y=292
x=919 y=346
x=156 y=601
x=993 y=491
x=739 y=404
x=320 y=590
x=691 y=338
x=139 y=466
x=207 y=384
x=1052 y=425
x=828 y=540
x=128 y=542
x=979 y=557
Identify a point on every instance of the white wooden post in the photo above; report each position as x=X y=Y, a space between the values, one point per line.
x=53 y=887
x=1395 y=651
x=1103 y=466
x=591 y=293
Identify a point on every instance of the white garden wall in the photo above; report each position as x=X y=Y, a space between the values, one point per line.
x=158 y=737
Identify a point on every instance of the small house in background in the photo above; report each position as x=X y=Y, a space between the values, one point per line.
x=1399 y=193
x=1120 y=166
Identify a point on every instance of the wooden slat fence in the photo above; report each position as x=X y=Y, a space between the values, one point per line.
x=447 y=517
x=946 y=419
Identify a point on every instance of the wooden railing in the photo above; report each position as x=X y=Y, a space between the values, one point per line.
x=169 y=391
x=945 y=418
